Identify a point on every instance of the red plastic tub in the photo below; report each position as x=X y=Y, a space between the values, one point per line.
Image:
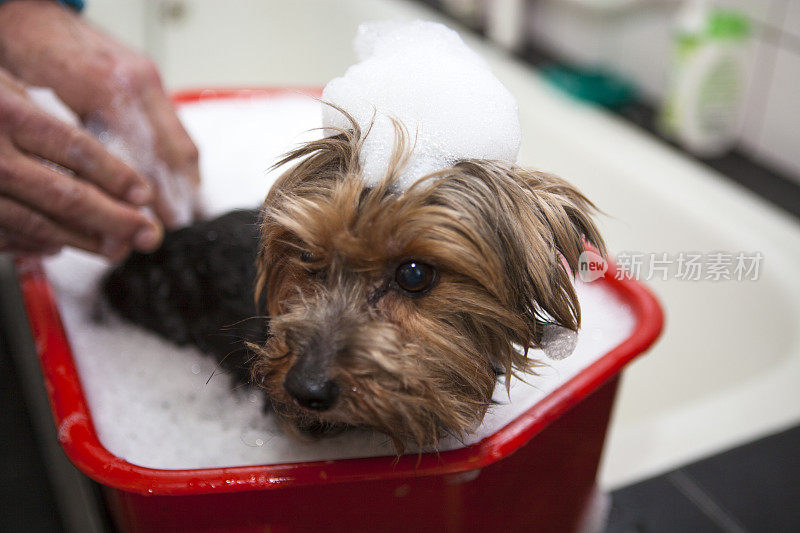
x=535 y=474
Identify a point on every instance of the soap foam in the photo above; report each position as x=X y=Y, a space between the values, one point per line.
x=424 y=76
x=162 y=406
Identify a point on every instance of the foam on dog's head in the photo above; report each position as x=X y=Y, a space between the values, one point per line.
x=424 y=76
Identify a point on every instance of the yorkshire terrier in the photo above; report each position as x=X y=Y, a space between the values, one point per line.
x=376 y=307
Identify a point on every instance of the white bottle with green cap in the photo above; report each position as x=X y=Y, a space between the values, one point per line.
x=707 y=83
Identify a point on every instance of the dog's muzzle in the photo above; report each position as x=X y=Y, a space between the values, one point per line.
x=308 y=384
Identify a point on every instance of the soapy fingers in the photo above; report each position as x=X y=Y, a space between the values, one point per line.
x=73 y=148
x=118 y=95
x=59 y=186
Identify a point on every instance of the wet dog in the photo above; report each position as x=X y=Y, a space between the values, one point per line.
x=384 y=308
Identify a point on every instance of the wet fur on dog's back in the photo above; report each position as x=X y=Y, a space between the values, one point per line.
x=197 y=288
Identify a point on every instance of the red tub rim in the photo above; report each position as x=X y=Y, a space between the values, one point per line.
x=82 y=445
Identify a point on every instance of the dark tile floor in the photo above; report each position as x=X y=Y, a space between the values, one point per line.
x=753 y=488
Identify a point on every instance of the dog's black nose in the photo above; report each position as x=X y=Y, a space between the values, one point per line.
x=312 y=392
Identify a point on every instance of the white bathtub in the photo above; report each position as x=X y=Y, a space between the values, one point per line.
x=727 y=369
x=728 y=366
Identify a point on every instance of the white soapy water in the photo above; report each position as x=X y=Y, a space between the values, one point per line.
x=152 y=402
x=422 y=74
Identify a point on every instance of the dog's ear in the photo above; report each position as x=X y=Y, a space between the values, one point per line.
x=542 y=225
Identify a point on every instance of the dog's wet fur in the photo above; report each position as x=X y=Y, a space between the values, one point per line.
x=388 y=309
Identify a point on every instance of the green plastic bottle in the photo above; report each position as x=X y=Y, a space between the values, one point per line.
x=707 y=83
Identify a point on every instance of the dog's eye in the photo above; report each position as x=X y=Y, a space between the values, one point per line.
x=415 y=277
x=307 y=257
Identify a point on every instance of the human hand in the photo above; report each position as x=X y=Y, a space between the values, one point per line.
x=59 y=186
x=115 y=91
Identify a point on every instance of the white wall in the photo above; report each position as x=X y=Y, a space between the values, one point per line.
x=635 y=40
x=200 y=41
